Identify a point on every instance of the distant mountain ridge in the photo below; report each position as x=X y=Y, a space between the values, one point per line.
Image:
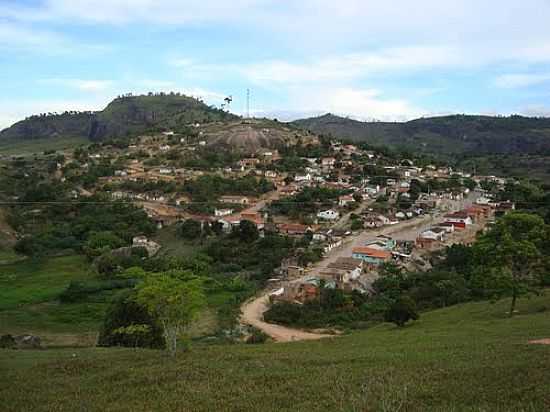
x=124 y=115
x=455 y=134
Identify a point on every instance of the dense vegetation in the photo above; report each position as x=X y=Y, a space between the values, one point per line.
x=443 y=135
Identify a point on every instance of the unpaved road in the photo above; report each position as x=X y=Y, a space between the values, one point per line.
x=253 y=310
x=252 y=314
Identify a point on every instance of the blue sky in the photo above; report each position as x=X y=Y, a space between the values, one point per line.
x=363 y=58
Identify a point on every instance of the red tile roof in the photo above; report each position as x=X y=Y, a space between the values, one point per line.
x=375 y=253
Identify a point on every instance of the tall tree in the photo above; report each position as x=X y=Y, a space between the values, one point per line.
x=173 y=301
x=511 y=253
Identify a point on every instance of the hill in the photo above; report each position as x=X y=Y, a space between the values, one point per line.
x=469 y=357
x=124 y=116
x=251 y=135
x=446 y=135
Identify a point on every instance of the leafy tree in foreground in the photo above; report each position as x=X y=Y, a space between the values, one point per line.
x=173 y=301
x=512 y=251
x=401 y=311
x=127 y=323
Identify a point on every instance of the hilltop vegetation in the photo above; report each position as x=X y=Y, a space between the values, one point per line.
x=447 y=135
x=126 y=115
x=471 y=357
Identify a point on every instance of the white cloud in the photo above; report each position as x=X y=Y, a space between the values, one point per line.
x=518 y=80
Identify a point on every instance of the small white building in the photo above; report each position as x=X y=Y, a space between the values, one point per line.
x=328 y=215
x=222 y=212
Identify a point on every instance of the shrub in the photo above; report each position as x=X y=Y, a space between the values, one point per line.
x=128 y=323
x=257 y=336
x=401 y=311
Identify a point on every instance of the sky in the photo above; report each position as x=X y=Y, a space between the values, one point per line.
x=367 y=59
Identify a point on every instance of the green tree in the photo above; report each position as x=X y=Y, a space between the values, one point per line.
x=190 y=229
x=247 y=231
x=401 y=311
x=510 y=254
x=174 y=301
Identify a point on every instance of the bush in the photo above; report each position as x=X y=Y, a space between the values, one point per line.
x=256 y=337
x=78 y=290
x=126 y=315
x=7 y=342
x=401 y=311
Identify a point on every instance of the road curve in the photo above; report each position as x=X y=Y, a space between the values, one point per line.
x=252 y=314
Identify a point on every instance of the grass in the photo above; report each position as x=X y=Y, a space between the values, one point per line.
x=28 y=299
x=26 y=147
x=470 y=357
x=172 y=245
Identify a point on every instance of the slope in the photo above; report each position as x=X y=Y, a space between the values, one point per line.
x=124 y=116
x=457 y=134
x=464 y=358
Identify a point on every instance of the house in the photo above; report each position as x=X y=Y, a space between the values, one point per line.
x=165 y=171
x=223 y=212
x=328 y=215
x=381 y=243
x=434 y=233
x=249 y=163
x=371 y=255
x=236 y=200
x=301 y=291
x=447 y=226
x=142 y=241
x=328 y=162
x=270 y=174
x=293 y=229
x=164 y=147
x=345 y=200
x=331 y=243
x=322 y=235
x=303 y=178
x=289 y=190
x=350 y=267
x=459 y=219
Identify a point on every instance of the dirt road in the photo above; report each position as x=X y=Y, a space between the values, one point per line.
x=253 y=310
x=252 y=314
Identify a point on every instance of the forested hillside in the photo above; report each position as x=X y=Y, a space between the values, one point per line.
x=123 y=116
x=446 y=135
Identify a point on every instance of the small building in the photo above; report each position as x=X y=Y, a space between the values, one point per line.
x=223 y=212
x=293 y=229
x=434 y=233
x=236 y=200
x=459 y=219
x=345 y=200
x=371 y=255
x=328 y=215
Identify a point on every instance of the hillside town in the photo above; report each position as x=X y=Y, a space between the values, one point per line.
x=358 y=209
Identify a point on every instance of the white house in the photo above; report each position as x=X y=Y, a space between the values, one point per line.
x=328 y=215
x=345 y=200
x=222 y=212
x=434 y=233
x=302 y=178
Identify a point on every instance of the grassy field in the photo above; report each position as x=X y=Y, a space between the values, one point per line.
x=463 y=358
x=26 y=147
x=28 y=300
